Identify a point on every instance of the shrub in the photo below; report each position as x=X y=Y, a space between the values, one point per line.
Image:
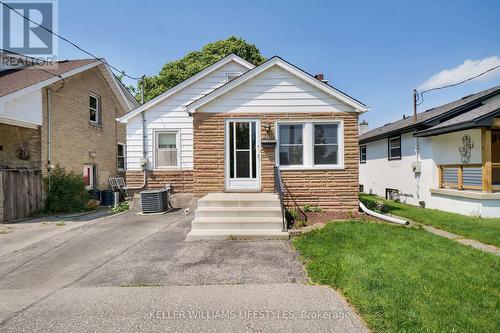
x=314 y=209
x=120 y=208
x=92 y=204
x=66 y=193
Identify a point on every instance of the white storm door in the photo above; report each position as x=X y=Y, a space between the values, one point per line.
x=242 y=157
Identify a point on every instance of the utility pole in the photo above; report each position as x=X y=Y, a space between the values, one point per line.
x=142 y=89
x=414 y=105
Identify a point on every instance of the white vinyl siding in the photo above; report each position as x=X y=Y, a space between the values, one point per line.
x=170 y=114
x=275 y=90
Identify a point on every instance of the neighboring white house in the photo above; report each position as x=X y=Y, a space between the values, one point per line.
x=448 y=159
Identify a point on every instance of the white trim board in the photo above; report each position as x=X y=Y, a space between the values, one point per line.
x=184 y=84
x=277 y=61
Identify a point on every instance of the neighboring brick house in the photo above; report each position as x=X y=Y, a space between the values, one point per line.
x=77 y=102
x=226 y=128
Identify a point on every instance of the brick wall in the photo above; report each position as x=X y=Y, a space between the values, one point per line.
x=10 y=137
x=180 y=181
x=330 y=189
x=73 y=137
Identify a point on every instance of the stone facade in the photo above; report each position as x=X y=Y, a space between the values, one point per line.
x=13 y=137
x=330 y=189
x=181 y=181
x=74 y=140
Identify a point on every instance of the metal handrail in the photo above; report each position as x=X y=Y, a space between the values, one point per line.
x=280 y=188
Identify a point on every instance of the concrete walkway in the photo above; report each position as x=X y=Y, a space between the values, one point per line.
x=137 y=273
x=473 y=243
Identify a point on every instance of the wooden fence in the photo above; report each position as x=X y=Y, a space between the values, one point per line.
x=20 y=194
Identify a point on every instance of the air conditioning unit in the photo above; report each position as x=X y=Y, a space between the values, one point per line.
x=154 y=201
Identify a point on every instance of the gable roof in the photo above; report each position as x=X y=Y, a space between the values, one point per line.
x=20 y=81
x=277 y=61
x=232 y=57
x=429 y=117
x=12 y=80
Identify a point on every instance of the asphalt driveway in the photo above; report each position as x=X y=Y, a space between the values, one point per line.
x=135 y=272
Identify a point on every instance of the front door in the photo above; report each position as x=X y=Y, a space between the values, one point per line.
x=242 y=165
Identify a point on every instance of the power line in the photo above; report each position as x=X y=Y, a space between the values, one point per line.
x=70 y=42
x=420 y=95
x=39 y=68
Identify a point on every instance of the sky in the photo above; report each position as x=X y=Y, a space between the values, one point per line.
x=375 y=51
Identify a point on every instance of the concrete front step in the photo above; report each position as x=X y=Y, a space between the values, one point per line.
x=237 y=212
x=231 y=223
x=237 y=216
x=196 y=235
x=239 y=200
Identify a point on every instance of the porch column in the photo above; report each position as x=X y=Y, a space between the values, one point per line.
x=487 y=177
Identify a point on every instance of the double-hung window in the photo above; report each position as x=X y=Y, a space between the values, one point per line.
x=326 y=146
x=166 y=150
x=95 y=109
x=362 y=154
x=291 y=150
x=394 y=148
x=121 y=156
x=310 y=144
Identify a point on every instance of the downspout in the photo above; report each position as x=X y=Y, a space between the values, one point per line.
x=144 y=159
x=49 y=146
x=382 y=216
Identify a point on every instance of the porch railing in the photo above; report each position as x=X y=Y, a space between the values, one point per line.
x=469 y=177
x=282 y=191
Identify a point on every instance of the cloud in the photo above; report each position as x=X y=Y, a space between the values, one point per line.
x=464 y=71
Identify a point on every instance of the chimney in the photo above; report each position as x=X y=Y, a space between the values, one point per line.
x=363 y=127
x=320 y=77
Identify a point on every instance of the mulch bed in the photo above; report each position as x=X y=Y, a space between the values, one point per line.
x=324 y=217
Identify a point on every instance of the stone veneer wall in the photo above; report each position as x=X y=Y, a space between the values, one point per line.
x=335 y=190
x=180 y=181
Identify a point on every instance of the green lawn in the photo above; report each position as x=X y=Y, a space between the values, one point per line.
x=485 y=230
x=406 y=279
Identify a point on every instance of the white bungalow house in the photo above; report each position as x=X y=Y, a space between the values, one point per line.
x=448 y=158
x=229 y=134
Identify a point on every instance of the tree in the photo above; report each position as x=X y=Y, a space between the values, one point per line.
x=175 y=72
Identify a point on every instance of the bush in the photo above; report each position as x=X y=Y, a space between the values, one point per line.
x=120 y=208
x=66 y=193
x=313 y=209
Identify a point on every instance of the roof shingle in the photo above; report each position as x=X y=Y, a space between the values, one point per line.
x=13 y=80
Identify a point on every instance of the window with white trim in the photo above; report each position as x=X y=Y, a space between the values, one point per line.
x=394 y=148
x=95 y=109
x=326 y=147
x=121 y=156
x=166 y=149
x=362 y=154
x=310 y=144
x=291 y=149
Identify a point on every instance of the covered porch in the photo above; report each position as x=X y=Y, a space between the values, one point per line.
x=478 y=177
